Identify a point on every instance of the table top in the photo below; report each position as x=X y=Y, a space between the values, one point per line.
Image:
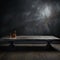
x=33 y=37
x=31 y=40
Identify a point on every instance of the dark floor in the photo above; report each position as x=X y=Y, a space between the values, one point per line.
x=30 y=55
x=36 y=53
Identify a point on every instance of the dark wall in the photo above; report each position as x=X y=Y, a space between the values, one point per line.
x=30 y=17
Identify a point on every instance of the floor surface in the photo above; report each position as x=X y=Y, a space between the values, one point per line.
x=30 y=55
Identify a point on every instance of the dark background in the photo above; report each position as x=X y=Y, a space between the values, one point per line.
x=27 y=17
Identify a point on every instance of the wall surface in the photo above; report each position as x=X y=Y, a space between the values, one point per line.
x=30 y=17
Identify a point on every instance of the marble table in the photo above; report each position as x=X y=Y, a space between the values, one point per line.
x=31 y=41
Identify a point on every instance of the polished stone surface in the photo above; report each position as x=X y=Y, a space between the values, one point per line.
x=32 y=37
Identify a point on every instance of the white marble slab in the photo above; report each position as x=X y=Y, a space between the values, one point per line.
x=56 y=46
x=33 y=37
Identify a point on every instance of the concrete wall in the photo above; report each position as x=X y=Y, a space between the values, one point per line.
x=30 y=17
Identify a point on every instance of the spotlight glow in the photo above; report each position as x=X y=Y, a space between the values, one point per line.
x=46 y=12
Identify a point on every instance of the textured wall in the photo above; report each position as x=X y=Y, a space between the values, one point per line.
x=30 y=17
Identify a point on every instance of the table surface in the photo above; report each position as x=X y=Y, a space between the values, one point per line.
x=33 y=37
